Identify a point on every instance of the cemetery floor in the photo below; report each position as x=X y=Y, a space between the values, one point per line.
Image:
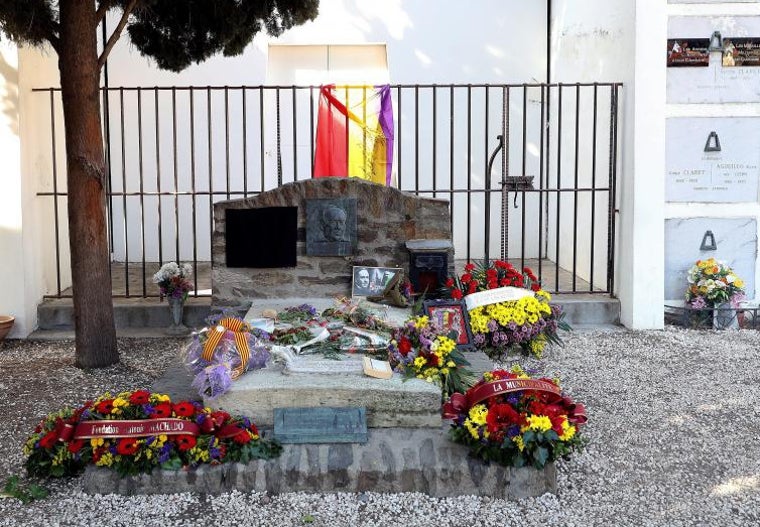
x=674 y=435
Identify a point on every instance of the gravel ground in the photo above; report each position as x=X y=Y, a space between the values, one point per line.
x=673 y=429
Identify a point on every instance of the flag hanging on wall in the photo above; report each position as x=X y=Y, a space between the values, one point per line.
x=355 y=133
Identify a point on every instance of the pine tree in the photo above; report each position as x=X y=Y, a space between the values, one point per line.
x=174 y=33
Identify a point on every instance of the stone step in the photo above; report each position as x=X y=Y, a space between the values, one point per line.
x=149 y=313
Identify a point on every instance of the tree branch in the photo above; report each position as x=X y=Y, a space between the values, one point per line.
x=116 y=32
x=100 y=14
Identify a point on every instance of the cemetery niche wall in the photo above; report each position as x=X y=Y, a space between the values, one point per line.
x=385 y=219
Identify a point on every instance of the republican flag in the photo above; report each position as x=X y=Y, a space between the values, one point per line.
x=355 y=133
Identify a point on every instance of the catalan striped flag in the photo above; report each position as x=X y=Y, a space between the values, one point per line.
x=355 y=133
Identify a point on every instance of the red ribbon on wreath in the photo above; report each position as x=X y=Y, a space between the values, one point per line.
x=459 y=403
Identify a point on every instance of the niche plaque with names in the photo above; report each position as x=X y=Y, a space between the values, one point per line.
x=712 y=159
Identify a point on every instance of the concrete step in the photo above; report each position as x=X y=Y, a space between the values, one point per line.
x=57 y=315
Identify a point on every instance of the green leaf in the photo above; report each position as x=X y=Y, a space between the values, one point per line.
x=542 y=455
x=529 y=436
x=308 y=518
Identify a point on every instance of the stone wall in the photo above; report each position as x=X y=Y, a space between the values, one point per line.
x=386 y=219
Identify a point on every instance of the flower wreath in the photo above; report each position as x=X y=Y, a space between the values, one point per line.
x=515 y=420
x=135 y=432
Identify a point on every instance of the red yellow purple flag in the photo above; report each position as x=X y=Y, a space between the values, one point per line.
x=355 y=133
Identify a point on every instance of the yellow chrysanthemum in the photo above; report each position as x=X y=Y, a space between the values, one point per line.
x=568 y=431
x=538 y=423
x=478 y=414
x=518 y=440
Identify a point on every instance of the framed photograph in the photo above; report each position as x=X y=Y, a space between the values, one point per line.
x=369 y=281
x=451 y=315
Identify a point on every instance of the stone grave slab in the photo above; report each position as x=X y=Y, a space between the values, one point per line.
x=390 y=402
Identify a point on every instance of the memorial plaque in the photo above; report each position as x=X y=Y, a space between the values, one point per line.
x=735 y=241
x=715 y=83
x=691 y=52
x=712 y=159
x=331 y=227
x=741 y=52
x=320 y=425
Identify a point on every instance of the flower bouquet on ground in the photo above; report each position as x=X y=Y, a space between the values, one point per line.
x=222 y=352
x=135 y=432
x=514 y=420
x=712 y=282
x=173 y=280
x=418 y=349
x=517 y=317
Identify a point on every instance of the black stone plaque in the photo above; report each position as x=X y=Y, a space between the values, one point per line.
x=261 y=238
x=331 y=227
x=688 y=52
x=320 y=425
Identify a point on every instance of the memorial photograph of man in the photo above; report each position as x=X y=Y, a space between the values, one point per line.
x=361 y=283
x=331 y=227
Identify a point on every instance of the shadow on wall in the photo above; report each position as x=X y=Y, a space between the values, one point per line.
x=9 y=96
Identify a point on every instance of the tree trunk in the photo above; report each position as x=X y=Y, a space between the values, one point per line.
x=88 y=236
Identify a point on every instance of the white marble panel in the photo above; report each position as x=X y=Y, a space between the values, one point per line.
x=715 y=83
x=727 y=176
x=736 y=240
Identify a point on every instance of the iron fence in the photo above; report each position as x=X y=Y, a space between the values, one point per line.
x=530 y=171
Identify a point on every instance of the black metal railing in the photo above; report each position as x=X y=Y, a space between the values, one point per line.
x=530 y=171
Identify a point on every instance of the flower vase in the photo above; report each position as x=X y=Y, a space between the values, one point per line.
x=725 y=316
x=177 y=307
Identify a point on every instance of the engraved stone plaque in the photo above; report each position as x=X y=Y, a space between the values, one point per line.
x=320 y=425
x=715 y=83
x=331 y=227
x=736 y=242
x=712 y=159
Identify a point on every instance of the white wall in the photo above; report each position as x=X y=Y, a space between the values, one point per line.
x=731 y=19
x=623 y=41
x=27 y=263
x=482 y=42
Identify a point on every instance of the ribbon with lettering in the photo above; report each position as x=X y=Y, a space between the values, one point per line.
x=107 y=429
x=241 y=331
x=460 y=403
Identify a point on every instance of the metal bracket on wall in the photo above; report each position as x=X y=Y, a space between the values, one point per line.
x=708 y=242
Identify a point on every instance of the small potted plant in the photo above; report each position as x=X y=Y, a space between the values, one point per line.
x=6 y=323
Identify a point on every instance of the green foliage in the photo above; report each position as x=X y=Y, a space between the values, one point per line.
x=14 y=488
x=173 y=33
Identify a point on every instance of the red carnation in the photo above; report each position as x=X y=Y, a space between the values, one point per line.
x=450 y=282
x=185 y=442
x=469 y=267
x=404 y=345
x=220 y=417
x=456 y=294
x=104 y=407
x=472 y=287
x=75 y=446
x=184 y=409
x=433 y=359
x=48 y=440
x=139 y=397
x=500 y=416
x=254 y=429
x=161 y=410
x=241 y=437
x=126 y=446
x=466 y=278
x=535 y=286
